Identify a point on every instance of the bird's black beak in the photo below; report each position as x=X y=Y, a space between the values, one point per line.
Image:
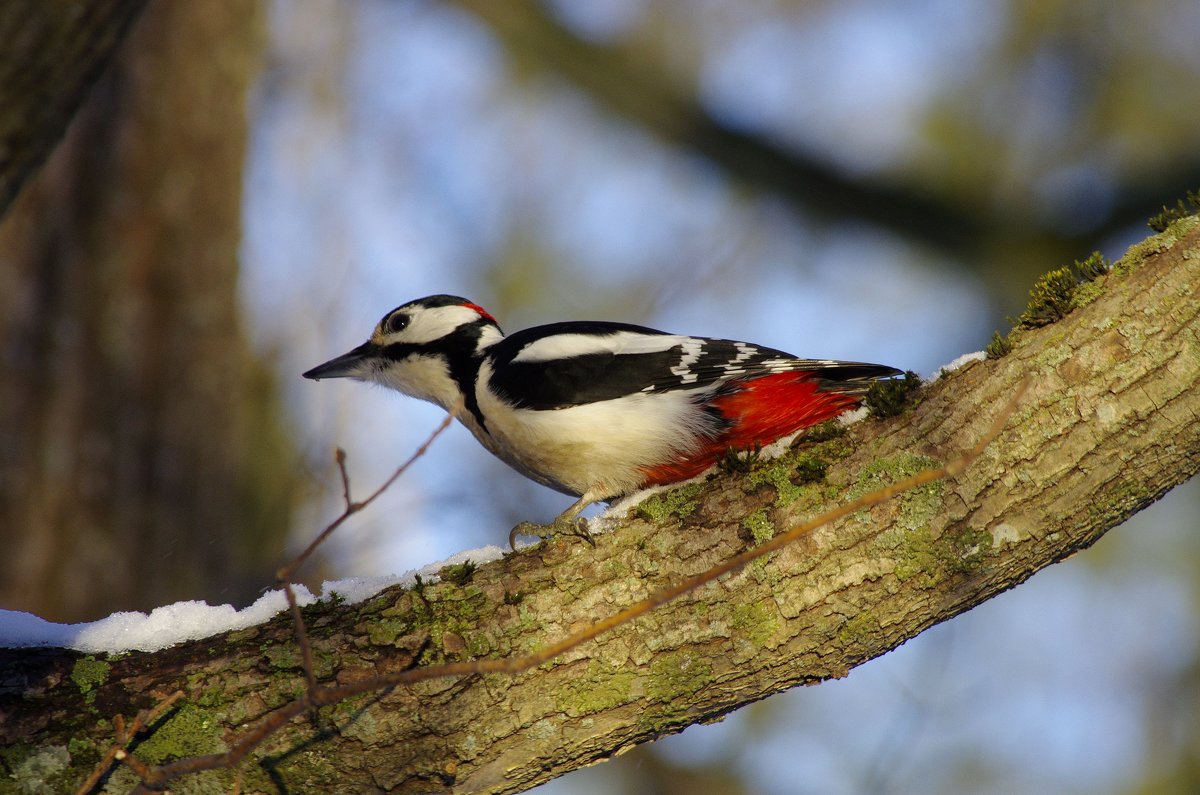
x=348 y=365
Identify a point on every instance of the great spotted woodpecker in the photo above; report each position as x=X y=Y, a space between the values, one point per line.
x=597 y=409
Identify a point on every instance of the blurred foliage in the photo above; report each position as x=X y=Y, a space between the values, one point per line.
x=1056 y=128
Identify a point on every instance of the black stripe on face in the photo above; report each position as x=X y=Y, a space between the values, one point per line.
x=458 y=350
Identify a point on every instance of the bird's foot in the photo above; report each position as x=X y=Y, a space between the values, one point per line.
x=562 y=526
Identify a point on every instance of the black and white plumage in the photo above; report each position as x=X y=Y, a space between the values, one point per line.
x=598 y=409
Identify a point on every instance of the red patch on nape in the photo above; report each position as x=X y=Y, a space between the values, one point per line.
x=481 y=311
x=760 y=411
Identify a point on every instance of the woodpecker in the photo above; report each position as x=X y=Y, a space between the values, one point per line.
x=598 y=409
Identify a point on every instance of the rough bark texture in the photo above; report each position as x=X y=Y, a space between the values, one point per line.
x=52 y=53
x=1108 y=425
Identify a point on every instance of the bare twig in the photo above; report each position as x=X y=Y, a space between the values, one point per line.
x=340 y=457
x=284 y=575
x=124 y=737
x=310 y=679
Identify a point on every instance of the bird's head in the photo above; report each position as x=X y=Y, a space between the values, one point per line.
x=421 y=349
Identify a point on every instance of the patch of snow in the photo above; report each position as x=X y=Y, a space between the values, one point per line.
x=128 y=631
x=959 y=363
x=171 y=624
x=615 y=512
x=857 y=415
x=783 y=443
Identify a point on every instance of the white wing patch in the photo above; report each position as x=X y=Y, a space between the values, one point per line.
x=566 y=346
x=745 y=352
x=692 y=349
x=779 y=365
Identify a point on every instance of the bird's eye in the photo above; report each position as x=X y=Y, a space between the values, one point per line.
x=396 y=322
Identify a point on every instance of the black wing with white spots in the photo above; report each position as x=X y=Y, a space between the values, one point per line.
x=573 y=363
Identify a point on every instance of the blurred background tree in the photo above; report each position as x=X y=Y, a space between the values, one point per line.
x=873 y=179
x=143 y=459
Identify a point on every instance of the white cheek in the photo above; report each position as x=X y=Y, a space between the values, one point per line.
x=423 y=377
x=433 y=324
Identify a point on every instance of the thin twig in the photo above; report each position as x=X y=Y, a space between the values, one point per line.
x=340 y=457
x=124 y=737
x=310 y=679
x=286 y=573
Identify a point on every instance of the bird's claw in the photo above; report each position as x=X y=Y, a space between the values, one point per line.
x=559 y=527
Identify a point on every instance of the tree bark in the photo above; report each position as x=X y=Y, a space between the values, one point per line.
x=1108 y=425
x=52 y=54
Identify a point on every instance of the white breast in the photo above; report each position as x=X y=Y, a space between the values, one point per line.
x=604 y=445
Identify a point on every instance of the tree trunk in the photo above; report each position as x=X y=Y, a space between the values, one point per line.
x=52 y=54
x=1107 y=426
x=141 y=460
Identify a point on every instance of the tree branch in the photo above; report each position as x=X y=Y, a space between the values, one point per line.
x=1108 y=425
